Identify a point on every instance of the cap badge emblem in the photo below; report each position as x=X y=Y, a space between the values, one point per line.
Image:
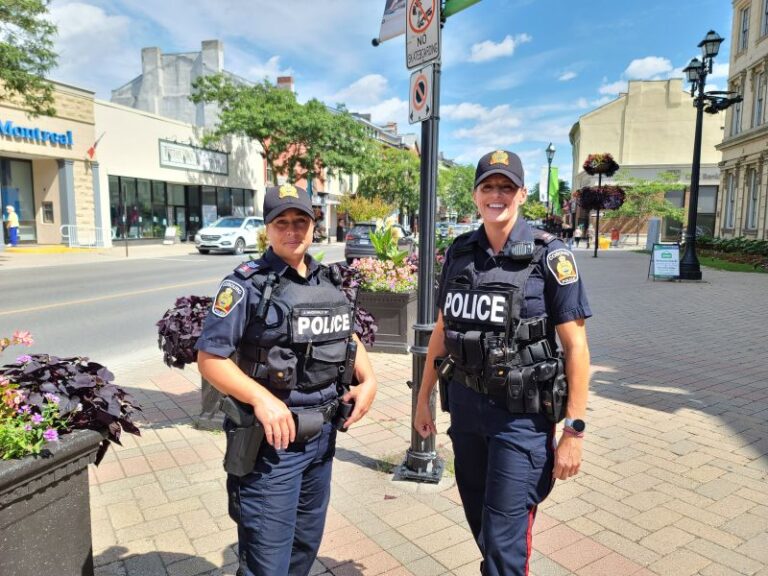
x=500 y=157
x=287 y=190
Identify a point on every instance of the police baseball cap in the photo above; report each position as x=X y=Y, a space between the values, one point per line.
x=500 y=162
x=278 y=199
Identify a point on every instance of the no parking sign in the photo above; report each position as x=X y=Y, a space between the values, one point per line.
x=421 y=95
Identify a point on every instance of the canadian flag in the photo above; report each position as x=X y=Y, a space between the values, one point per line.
x=92 y=150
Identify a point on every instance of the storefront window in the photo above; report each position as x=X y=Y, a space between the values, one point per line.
x=193 y=203
x=115 y=208
x=16 y=191
x=672 y=229
x=131 y=203
x=238 y=208
x=144 y=191
x=224 y=201
x=159 y=212
x=209 y=205
x=248 y=200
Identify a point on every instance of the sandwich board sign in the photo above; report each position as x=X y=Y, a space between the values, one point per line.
x=422 y=32
x=665 y=261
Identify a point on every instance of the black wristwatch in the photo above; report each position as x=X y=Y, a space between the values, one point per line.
x=576 y=425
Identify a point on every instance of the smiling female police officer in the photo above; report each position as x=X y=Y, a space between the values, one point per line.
x=291 y=329
x=505 y=291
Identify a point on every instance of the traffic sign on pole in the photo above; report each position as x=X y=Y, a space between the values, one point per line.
x=422 y=32
x=421 y=96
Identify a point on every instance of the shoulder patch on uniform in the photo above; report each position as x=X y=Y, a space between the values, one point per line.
x=229 y=295
x=563 y=266
x=248 y=269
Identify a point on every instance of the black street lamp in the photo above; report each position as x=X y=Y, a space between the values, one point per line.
x=550 y=155
x=711 y=102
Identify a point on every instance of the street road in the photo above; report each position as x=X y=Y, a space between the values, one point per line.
x=108 y=310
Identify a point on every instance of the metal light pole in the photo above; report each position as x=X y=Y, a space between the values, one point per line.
x=550 y=150
x=696 y=73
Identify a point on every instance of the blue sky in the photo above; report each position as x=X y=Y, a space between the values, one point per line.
x=516 y=73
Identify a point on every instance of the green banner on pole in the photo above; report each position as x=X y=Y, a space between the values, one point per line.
x=453 y=6
x=554 y=188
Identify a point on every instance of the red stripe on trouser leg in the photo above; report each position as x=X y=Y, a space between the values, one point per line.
x=529 y=538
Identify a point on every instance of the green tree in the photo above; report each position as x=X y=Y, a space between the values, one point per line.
x=645 y=198
x=454 y=188
x=26 y=54
x=391 y=174
x=533 y=209
x=362 y=209
x=299 y=140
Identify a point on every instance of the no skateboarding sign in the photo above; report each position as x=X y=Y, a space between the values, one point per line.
x=422 y=32
x=420 y=102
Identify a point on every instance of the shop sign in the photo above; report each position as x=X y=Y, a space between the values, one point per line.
x=36 y=135
x=184 y=156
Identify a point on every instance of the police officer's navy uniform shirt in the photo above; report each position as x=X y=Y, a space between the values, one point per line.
x=545 y=295
x=221 y=335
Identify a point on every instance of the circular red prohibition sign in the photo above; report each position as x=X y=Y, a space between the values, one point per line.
x=423 y=17
x=420 y=92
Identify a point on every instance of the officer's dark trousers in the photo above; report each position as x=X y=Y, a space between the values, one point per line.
x=280 y=507
x=503 y=471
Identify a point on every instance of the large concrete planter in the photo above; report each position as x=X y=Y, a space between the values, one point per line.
x=395 y=315
x=45 y=514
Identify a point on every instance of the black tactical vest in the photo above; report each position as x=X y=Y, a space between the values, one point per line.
x=482 y=309
x=302 y=338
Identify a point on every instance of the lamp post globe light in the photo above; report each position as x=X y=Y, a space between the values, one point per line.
x=550 y=150
x=711 y=102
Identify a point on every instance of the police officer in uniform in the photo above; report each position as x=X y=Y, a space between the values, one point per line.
x=278 y=339
x=507 y=293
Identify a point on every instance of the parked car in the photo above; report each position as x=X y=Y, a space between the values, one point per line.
x=358 y=241
x=232 y=234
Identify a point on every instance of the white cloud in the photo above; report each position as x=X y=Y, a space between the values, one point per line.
x=719 y=71
x=463 y=111
x=582 y=103
x=496 y=128
x=269 y=69
x=390 y=110
x=567 y=76
x=601 y=101
x=489 y=50
x=647 y=68
x=367 y=90
x=613 y=88
x=97 y=50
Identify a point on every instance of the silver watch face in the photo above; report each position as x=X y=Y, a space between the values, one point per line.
x=577 y=425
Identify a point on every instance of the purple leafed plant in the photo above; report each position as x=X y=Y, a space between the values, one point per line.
x=83 y=392
x=179 y=329
x=365 y=323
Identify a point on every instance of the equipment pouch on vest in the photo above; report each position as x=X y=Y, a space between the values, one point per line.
x=454 y=343
x=321 y=363
x=474 y=352
x=281 y=368
x=515 y=400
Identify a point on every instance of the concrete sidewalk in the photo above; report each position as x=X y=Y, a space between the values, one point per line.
x=674 y=480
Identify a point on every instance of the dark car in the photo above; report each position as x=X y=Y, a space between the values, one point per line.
x=358 y=241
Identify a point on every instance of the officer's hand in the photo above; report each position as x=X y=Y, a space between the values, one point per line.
x=567 y=457
x=362 y=395
x=422 y=421
x=279 y=427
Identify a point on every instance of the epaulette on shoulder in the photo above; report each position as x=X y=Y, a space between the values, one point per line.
x=542 y=237
x=461 y=245
x=251 y=267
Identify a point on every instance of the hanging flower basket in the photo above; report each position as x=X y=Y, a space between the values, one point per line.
x=600 y=198
x=602 y=163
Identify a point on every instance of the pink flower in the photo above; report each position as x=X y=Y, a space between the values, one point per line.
x=23 y=337
x=51 y=435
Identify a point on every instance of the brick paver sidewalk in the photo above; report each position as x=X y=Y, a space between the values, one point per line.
x=674 y=481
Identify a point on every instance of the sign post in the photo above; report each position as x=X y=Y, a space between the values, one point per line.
x=421 y=463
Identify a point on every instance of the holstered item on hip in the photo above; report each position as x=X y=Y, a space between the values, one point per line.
x=244 y=438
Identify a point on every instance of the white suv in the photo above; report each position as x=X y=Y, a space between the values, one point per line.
x=232 y=234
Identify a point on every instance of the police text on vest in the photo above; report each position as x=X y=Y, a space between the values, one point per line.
x=475 y=306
